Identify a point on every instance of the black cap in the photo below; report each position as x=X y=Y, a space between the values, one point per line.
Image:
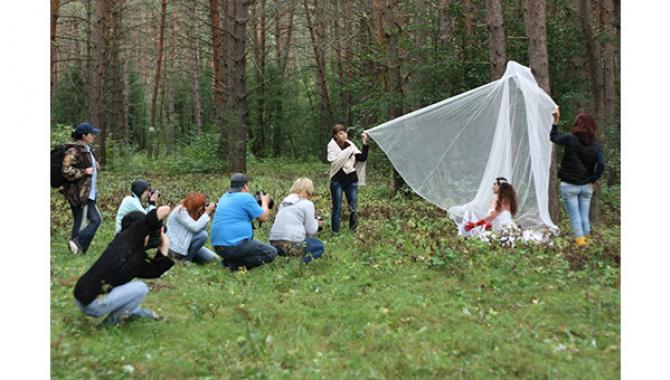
x=85 y=128
x=139 y=186
x=237 y=181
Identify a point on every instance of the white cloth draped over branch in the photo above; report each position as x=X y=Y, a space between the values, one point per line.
x=451 y=152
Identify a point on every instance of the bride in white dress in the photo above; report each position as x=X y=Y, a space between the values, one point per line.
x=503 y=208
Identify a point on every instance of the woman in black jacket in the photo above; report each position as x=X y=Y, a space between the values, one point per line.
x=583 y=164
x=107 y=287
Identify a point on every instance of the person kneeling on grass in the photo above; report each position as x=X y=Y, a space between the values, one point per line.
x=232 y=232
x=187 y=229
x=296 y=222
x=107 y=287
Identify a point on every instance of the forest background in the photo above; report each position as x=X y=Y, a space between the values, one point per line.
x=404 y=56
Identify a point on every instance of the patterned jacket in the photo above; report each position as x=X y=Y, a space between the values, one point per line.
x=78 y=185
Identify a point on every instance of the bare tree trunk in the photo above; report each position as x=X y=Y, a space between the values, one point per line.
x=238 y=151
x=88 y=73
x=444 y=27
x=114 y=80
x=464 y=53
x=348 y=59
x=497 y=45
x=391 y=32
x=55 y=5
x=536 y=28
x=218 y=61
x=283 y=38
x=258 y=147
x=125 y=108
x=610 y=58
x=326 y=111
x=157 y=78
x=170 y=72
x=99 y=48
x=194 y=60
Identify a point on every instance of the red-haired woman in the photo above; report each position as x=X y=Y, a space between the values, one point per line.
x=187 y=229
x=583 y=164
x=503 y=208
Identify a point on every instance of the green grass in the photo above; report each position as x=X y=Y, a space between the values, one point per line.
x=403 y=297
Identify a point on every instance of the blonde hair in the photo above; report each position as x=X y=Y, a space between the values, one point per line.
x=304 y=186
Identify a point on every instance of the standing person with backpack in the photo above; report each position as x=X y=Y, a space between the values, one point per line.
x=80 y=171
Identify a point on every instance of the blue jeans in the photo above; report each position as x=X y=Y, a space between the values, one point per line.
x=351 y=191
x=90 y=213
x=249 y=253
x=197 y=251
x=122 y=302
x=577 y=200
x=313 y=249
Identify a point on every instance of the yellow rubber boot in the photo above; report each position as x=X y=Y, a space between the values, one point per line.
x=580 y=241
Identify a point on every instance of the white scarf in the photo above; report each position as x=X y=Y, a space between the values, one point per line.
x=345 y=159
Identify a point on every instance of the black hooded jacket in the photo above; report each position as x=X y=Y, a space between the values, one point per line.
x=123 y=259
x=582 y=163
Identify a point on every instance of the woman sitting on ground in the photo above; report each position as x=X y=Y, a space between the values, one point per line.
x=503 y=208
x=296 y=222
x=107 y=288
x=187 y=229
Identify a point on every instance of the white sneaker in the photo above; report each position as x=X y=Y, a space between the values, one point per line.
x=74 y=248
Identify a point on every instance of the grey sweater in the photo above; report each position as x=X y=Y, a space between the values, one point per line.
x=181 y=228
x=295 y=220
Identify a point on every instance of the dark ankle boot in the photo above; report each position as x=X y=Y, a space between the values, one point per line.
x=353 y=221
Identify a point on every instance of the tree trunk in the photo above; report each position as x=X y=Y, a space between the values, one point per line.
x=125 y=109
x=283 y=38
x=348 y=59
x=497 y=45
x=99 y=48
x=610 y=58
x=463 y=54
x=218 y=62
x=194 y=60
x=445 y=27
x=258 y=147
x=55 y=5
x=326 y=112
x=391 y=32
x=238 y=151
x=114 y=111
x=157 y=77
x=534 y=15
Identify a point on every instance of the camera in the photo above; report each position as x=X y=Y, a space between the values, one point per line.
x=155 y=191
x=258 y=194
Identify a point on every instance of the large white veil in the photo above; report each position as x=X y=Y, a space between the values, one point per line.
x=451 y=152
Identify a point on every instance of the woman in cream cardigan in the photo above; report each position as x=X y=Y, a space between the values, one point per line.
x=347 y=172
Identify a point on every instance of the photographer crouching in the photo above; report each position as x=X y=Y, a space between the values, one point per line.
x=296 y=222
x=232 y=231
x=140 y=192
x=107 y=288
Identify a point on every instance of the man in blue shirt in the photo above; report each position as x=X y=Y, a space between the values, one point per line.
x=232 y=233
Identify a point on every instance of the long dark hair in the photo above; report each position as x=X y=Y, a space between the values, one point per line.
x=506 y=195
x=585 y=127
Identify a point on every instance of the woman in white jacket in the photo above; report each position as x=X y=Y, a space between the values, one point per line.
x=187 y=229
x=296 y=223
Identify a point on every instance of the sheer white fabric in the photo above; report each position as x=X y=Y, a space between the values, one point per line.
x=451 y=152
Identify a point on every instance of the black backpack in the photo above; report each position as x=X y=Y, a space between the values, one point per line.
x=57 y=154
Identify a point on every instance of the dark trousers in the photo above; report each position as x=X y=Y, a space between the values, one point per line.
x=249 y=253
x=83 y=233
x=351 y=191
